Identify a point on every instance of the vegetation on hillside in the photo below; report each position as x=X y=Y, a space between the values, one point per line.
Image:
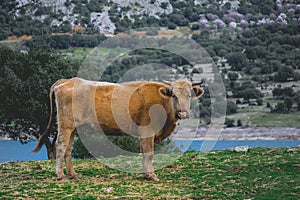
x=26 y=78
x=255 y=47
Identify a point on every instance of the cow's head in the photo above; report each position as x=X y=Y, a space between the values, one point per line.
x=181 y=92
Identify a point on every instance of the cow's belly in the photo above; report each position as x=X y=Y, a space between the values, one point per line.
x=113 y=131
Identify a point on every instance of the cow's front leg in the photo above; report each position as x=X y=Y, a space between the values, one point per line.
x=147 y=148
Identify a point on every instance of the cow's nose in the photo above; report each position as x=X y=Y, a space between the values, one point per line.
x=182 y=114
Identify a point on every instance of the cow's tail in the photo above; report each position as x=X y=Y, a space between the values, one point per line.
x=46 y=133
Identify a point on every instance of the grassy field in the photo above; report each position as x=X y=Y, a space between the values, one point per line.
x=258 y=174
x=277 y=120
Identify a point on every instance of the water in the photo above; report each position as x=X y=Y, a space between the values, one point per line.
x=207 y=145
x=15 y=151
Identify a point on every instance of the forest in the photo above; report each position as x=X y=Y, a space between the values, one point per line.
x=255 y=46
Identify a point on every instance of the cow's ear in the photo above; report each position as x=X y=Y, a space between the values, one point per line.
x=165 y=91
x=198 y=92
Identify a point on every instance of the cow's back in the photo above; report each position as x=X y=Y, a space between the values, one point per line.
x=115 y=108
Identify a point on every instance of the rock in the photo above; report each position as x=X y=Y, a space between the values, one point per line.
x=241 y=148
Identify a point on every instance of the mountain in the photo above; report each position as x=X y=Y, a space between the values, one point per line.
x=108 y=17
x=254 y=44
x=73 y=13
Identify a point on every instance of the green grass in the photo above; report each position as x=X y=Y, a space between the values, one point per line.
x=277 y=120
x=259 y=174
x=80 y=53
x=14 y=44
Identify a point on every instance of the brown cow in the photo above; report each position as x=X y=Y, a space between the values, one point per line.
x=151 y=113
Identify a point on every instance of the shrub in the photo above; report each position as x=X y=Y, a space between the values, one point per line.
x=195 y=26
x=259 y=102
x=233 y=76
x=229 y=122
x=171 y=26
x=280 y=108
x=288 y=101
x=231 y=108
x=288 y=91
x=285 y=74
x=239 y=123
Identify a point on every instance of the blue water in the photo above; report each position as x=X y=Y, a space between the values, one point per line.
x=15 y=151
x=207 y=145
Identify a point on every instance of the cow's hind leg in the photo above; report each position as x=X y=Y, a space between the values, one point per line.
x=68 y=159
x=62 y=143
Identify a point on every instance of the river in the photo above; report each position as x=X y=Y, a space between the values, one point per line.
x=12 y=151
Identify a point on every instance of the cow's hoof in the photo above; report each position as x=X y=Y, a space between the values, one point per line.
x=73 y=176
x=151 y=177
x=61 y=178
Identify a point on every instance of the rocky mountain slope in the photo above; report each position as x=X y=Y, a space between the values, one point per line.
x=73 y=12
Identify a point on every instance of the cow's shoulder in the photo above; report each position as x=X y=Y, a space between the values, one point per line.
x=150 y=87
x=150 y=92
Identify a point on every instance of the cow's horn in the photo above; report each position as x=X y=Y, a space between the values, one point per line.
x=199 y=83
x=166 y=82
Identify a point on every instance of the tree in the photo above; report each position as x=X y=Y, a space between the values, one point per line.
x=25 y=82
x=195 y=27
x=237 y=60
x=164 y=5
x=249 y=93
x=204 y=35
x=231 y=108
x=171 y=25
x=288 y=91
x=239 y=122
x=288 y=101
x=178 y=19
x=229 y=122
x=233 y=76
x=280 y=108
x=284 y=74
x=227 y=6
x=251 y=53
x=266 y=9
x=297 y=99
x=259 y=102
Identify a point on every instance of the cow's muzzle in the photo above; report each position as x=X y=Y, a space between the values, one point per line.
x=182 y=115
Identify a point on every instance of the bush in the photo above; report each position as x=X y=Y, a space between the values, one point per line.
x=233 y=76
x=288 y=91
x=171 y=26
x=280 y=108
x=231 y=108
x=288 y=101
x=239 y=123
x=247 y=93
x=259 y=102
x=229 y=122
x=284 y=74
x=195 y=27
x=237 y=60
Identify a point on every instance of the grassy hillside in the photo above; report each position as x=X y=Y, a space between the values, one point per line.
x=258 y=174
